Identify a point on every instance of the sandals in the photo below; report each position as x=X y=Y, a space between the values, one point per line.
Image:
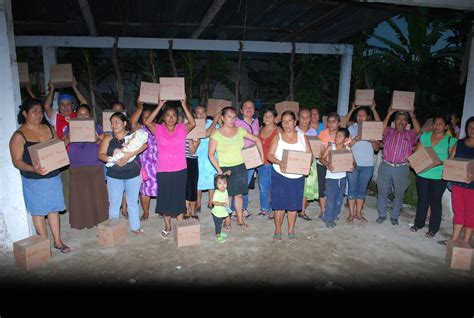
x=164 y=234
x=271 y=216
x=414 y=228
x=138 y=232
x=64 y=248
x=186 y=217
x=430 y=234
x=362 y=219
x=243 y=226
x=304 y=216
x=227 y=228
x=277 y=238
x=292 y=237
x=195 y=217
x=350 y=219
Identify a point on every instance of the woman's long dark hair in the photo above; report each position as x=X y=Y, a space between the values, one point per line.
x=26 y=106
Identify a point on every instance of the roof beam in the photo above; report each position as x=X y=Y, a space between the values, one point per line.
x=182 y=44
x=208 y=17
x=447 y=4
x=87 y=14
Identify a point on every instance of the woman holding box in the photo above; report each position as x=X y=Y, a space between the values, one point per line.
x=429 y=184
x=228 y=142
x=148 y=160
x=267 y=133
x=171 y=167
x=88 y=192
x=42 y=192
x=206 y=169
x=363 y=151
x=124 y=176
x=463 y=192
x=287 y=188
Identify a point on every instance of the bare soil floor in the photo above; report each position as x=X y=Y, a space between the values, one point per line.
x=350 y=256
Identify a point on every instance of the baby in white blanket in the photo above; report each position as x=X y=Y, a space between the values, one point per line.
x=132 y=143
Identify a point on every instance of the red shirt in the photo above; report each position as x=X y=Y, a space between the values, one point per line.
x=266 y=144
x=62 y=122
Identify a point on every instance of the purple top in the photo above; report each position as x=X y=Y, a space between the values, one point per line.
x=84 y=154
x=254 y=128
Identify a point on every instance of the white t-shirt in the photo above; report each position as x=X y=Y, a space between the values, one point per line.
x=334 y=175
x=300 y=145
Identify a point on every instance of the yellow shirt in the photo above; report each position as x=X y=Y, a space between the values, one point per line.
x=229 y=149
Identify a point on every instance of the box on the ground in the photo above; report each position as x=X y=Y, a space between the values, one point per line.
x=297 y=162
x=187 y=233
x=61 y=75
x=106 y=114
x=149 y=93
x=281 y=107
x=457 y=169
x=370 y=130
x=113 y=232
x=51 y=154
x=423 y=159
x=364 y=97
x=408 y=127
x=81 y=130
x=459 y=255
x=316 y=145
x=172 y=88
x=32 y=252
x=252 y=157
x=216 y=105
x=402 y=100
x=341 y=160
x=23 y=74
x=199 y=131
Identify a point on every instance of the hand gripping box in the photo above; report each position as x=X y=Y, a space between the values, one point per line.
x=341 y=160
x=364 y=97
x=297 y=162
x=199 y=131
x=172 y=88
x=61 y=75
x=149 y=93
x=423 y=159
x=50 y=154
x=402 y=100
x=251 y=157
x=32 y=252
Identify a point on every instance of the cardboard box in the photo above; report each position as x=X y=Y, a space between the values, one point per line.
x=341 y=160
x=32 y=252
x=459 y=255
x=149 y=93
x=364 y=97
x=457 y=169
x=281 y=107
x=251 y=157
x=402 y=100
x=325 y=121
x=316 y=145
x=370 y=130
x=199 y=131
x=423 y=159
x=297 y=162
x=81 y=130
x=113 y=232
x=215 y=105
x=23 y=74
x=50 y=154
x=106 y=114
x=187 y=233
x=408 y=127
x=61 y=75
x=172 y=88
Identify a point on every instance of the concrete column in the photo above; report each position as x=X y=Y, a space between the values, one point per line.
x=49 y=57
x=14 y=220
x=344 y=84
x=468 y=109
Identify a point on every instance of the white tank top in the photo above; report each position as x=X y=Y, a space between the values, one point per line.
x=300 y=145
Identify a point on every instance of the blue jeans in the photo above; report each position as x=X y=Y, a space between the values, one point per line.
x=388 y=177
x=115 y=188
x=359 y=182
x=264 y=185
x=335 y=189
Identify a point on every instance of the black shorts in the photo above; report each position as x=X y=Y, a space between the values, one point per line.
x=321 y=180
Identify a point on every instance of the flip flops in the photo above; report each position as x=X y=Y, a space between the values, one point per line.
x=64 y=248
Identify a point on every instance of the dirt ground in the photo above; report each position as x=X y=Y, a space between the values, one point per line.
x=344 y=258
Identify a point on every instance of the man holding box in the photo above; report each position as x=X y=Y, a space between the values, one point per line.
x=394 y=170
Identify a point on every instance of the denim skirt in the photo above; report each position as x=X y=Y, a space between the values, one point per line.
x=43 y=196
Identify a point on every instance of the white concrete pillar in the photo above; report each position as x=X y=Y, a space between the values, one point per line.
x=49 y=57
x=468 y=109
x=14 y=220
x=344 y=84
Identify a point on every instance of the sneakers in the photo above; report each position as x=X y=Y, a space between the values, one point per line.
x=394 y=221
x=380 y=220
x=223 y=235
x=220 y=239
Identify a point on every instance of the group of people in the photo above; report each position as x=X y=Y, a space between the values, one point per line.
x=176 y=170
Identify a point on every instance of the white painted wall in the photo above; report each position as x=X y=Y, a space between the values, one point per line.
x=15 y=222
x=468 y=109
